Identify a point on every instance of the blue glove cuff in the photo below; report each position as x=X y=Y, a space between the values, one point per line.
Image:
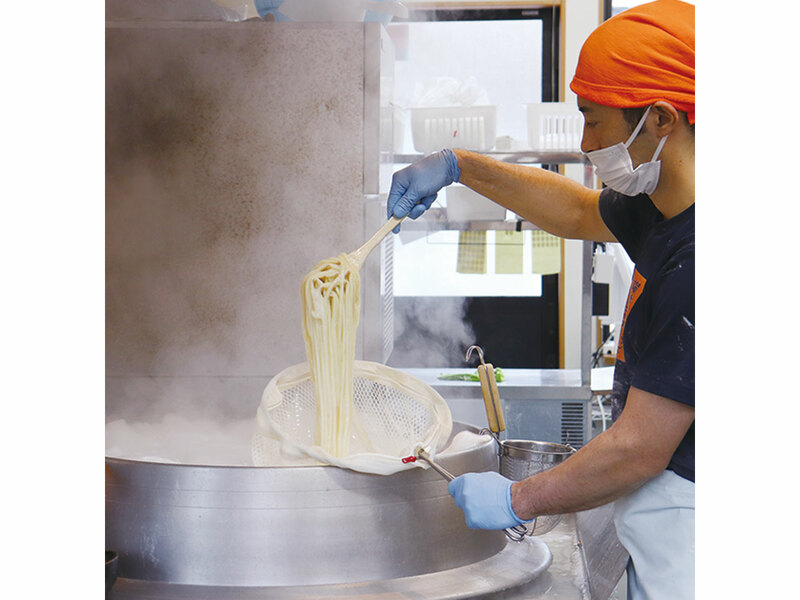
x=452 y=164
x=511 y=512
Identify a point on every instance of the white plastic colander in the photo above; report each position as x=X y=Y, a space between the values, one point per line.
x=394 y=415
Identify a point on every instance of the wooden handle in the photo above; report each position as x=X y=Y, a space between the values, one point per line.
x=360 y=255
x=491 y=398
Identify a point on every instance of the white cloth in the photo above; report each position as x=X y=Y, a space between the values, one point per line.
x=655 y=524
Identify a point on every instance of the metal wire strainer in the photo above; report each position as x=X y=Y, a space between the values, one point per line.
x=394 y=414
x=520 y=459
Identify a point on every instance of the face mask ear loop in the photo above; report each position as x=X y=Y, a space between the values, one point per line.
x=638 y=127
x=658 y=149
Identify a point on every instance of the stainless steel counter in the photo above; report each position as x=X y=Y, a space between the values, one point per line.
x=519 y=384
x=567 y=578
x=588 y=561
x=552 y=405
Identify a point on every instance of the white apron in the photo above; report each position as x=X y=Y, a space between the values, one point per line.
x=655 y=524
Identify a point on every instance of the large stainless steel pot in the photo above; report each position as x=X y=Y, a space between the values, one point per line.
x=290 y=526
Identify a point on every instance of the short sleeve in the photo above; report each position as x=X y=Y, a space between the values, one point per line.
x=628 y=217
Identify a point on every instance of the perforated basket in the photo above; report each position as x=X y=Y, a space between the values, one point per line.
x=394 y=414
x=519 y=459
x=554 y=126
x=468 y=127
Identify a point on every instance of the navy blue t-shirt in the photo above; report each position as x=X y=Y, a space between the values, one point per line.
x=655 y=351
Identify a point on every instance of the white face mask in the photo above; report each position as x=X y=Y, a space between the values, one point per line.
x=614 y=166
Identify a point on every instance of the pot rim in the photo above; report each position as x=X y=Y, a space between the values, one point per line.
x=509 y=447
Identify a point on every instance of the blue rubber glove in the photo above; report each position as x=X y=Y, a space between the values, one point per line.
x=485 y=499
x=265 y=7
x=414 y=188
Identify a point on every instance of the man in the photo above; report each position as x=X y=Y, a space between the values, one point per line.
x=635 y=88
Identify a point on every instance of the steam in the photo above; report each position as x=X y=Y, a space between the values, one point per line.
x=181 y=439
x=430 y=332
x=209 y=233
x=177 y=439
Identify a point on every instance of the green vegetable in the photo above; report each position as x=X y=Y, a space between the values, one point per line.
x=460 y=377
x=498 y=375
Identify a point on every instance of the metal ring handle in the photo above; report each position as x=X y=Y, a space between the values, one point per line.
x=516 y=533
x=478 y=349
x=495 y=437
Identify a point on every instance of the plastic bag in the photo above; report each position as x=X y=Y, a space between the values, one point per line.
x=448 y=91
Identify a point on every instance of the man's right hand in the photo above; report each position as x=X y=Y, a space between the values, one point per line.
x=414 y=188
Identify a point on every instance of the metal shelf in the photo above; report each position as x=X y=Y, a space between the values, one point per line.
x=435 y=219
x=544 y=157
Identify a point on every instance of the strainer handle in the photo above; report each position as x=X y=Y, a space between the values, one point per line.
x=491 y=395
x=517 y=533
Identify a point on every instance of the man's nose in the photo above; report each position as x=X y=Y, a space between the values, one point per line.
x=588 y=143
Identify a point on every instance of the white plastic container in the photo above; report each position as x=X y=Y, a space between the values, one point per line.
x=555 y=126
x=464 y=204
x=467 y=127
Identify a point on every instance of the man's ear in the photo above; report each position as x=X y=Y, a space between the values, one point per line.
x=666 y=118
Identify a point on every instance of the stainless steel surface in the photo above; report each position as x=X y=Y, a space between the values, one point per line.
x=520 y=459
x=566 y=578
x=286 y=526
x=606 y=558
x=547 y=454
x=515 y=569
x=520 y=384
x=435 y=219
x=586 y=315
x=544 y=157
x=538 y=404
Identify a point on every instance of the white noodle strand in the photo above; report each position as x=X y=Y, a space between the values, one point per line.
x=331 y=295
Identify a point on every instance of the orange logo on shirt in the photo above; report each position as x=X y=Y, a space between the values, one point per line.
x=636 y=289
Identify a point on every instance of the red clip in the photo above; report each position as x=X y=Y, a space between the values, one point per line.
x=409 y=459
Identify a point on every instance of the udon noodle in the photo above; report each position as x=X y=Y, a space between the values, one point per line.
x=331 y=295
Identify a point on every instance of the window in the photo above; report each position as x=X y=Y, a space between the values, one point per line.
x=508 y=58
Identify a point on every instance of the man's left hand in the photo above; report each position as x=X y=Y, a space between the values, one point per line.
x=485 y=499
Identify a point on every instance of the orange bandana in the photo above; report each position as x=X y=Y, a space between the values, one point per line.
x=640 y=56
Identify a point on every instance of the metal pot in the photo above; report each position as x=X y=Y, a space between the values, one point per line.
x=519 y=459
x=285 y=526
